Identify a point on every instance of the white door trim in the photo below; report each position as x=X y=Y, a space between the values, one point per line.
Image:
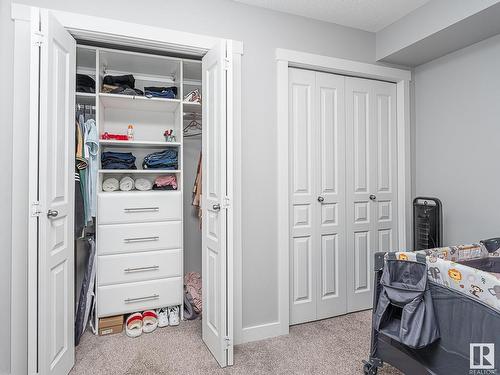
x=129 y=34
x=289 y=58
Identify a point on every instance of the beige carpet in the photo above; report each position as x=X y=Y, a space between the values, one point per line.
x=331 y=346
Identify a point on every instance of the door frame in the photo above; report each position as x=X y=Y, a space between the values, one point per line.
x=98 y=29
x=295 y=59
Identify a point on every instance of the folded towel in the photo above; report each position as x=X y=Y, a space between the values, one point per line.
x=143 y=184
x=110 y=184
x=126 y=184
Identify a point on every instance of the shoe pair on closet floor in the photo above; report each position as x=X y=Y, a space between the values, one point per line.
x=138 y=323
x=149 y=320
x=168 y=316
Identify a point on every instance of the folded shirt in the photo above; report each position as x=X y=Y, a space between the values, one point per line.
x=85 y=83
x=161 y=92
x=166 y=181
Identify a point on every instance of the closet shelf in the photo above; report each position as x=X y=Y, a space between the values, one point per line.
x=192 y=107
x=139 y=103
x=85 y=94
x=139 y=171
x=118 y=192
x=137 y=144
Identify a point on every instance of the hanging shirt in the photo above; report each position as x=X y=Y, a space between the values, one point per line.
x=91 y=152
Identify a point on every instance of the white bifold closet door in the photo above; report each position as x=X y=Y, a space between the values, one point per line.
x=371 y=182
x=342 y=190
x=317 y=147
x=57 y=54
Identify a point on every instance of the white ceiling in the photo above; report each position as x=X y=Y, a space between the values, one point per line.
x=369 y=15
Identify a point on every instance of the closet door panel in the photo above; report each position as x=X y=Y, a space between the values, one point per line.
x=330 y=200
x=359 y=184
x=302 y=196
x=372 y=185
x=385 y=171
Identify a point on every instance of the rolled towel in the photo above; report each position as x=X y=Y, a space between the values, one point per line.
x=110 y=184
x=126 y=183
x=143 y=184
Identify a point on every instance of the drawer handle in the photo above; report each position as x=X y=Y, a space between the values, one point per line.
x=139 y=269
x=139 y=299
x=141 y=239
x=141 y=209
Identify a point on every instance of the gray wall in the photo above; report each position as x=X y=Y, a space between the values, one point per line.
x=192 y=232
x=261 y=31
x=457 y=128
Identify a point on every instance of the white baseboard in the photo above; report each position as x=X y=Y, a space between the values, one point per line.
x=262 y=331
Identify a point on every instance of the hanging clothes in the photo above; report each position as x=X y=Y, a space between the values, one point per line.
x=91 y=152
x=197 y=190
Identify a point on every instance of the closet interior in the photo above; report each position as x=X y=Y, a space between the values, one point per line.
x=138 y=154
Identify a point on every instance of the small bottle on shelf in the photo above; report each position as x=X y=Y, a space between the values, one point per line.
x=130 y=132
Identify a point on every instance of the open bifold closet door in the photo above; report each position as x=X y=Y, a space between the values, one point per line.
x=52 y=175
x=56 y=51
x=217 y=286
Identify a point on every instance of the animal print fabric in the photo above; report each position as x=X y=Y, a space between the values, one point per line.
x=443 y=270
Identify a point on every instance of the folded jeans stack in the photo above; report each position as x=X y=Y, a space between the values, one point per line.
x=168 y=182
x=161 y=160
x=117 y=160
x=161 y=92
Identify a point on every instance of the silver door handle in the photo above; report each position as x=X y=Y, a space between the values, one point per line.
x=321 y=199
x=216 y=207
x=373 y=197
x=142 y=209
x=141 y=239
x=139 y=299
x=52 y=214
x=139 y=269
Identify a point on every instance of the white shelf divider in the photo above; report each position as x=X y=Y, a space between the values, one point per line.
x=139 y=103
x=137 y=144
x=140 y=171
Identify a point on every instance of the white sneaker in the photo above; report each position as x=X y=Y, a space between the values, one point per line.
x=162 y=317
x=173 y=315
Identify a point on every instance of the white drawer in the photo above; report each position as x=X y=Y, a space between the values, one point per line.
x=126 y=238
x=126 y=268
x=140 y=296
x=139 y=207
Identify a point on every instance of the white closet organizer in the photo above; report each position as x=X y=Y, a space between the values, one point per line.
x=343 y=190
x=139 y=234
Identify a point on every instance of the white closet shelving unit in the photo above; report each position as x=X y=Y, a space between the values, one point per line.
x=139 y=234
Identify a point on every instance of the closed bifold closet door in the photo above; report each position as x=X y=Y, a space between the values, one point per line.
x=342 y=153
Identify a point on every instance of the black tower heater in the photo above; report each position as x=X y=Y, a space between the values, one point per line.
x=427 y=223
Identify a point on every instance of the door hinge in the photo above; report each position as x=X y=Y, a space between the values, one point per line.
x=227 y=63
x=35 y=209
x=226 y=203
x=228 y=342
x=38 y=38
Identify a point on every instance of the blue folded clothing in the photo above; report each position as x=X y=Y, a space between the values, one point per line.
x=117 y=160
x=161 y=160
x=161 y=92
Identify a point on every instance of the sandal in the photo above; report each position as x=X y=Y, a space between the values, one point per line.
x=150 y=320
x=133 y=325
